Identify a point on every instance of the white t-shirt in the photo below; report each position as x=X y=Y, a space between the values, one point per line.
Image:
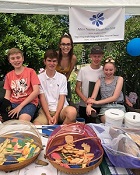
x=52 y=88
x=85 y=75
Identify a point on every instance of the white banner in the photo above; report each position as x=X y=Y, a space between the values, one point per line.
x=88 y=26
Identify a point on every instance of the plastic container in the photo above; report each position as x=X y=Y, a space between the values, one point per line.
x=114 y=117
x=132 y=120
x=80 y=120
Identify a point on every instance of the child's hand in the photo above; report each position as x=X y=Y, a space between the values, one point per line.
x=52 y=120
x=89 y=101
x=15 y=112
x=89 y=109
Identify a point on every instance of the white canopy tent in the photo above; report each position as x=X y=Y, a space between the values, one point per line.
x=57 y=7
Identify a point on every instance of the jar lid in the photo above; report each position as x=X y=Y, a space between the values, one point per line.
x=132 y=117
x=114 y=114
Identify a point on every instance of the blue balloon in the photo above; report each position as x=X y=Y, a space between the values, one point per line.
x=133 y=47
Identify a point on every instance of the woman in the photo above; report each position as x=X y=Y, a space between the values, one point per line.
x=66 y=59
x=110 y=89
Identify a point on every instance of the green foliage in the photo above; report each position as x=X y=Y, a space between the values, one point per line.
x=72 y=79
x=78 y=52
x=33 y=34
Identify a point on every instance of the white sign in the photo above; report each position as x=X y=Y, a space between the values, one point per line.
x=88 y=26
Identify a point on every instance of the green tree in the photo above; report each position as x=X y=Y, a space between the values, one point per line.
x=33 y=34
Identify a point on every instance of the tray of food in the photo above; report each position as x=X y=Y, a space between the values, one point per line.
x=74 y=149
x=20 y=144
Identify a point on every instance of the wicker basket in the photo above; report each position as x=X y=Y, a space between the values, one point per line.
x=81 y=134
x=76 y=170
x=26 y=134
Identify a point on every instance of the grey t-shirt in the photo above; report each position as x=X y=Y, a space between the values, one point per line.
x=107 y=90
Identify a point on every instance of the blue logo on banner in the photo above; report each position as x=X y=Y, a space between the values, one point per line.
x=97 y=19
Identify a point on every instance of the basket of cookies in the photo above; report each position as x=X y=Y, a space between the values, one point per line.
x=20 y=144
x=74 y=149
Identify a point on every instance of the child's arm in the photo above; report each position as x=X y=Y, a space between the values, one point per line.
x=7 y=94
x=30 y=98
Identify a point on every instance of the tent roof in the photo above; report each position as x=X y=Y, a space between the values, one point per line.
x=132 y=7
